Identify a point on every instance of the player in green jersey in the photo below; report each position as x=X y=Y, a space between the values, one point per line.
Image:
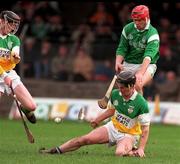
x=138 y=49
x=9 y=57
x=129 y=125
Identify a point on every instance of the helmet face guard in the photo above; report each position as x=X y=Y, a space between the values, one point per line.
x=126 y=78
x=140 y=12
x=11 y=21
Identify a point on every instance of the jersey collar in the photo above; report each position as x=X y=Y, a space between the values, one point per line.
x=3 y=36
x=132 y=97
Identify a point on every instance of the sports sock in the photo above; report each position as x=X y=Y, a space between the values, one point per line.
x=58 y=150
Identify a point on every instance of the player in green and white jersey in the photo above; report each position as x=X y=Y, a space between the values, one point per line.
x=9 y=57
x=129 y=125
x=138 y=49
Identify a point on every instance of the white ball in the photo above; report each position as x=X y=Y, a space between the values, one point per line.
x=57 y=119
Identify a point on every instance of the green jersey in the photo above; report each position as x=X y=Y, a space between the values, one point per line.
x=7 y=43
x=135 y=45
x=129 y=114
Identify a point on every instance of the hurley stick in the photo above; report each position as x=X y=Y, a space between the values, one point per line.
x=104 y=101
x=28 y=132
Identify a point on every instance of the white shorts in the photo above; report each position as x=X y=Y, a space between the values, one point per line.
x=15 y=81
x=115 y=135
x=135 y=67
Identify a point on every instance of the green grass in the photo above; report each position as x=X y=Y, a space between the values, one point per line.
x=163 y=146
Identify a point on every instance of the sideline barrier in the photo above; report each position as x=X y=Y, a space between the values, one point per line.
x=50 y=108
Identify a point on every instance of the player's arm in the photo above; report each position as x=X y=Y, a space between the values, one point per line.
x=106 y=114
x=121 y=51
x=15 y=57
x=143 y=141
x=144 y=66
x=144 y=120
x=118 y=64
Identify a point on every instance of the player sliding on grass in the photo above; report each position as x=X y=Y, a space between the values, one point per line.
x=129 y=125
x=138 y=49
x=9 y=57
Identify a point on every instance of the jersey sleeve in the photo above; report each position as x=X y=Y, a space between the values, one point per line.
x=123 y=44
x=152 y=48
x=144 y=115
x=112 y=98
x=16 y=41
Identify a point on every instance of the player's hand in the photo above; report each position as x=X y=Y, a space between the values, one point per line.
x=8 y=81
x=139 y=80
x=94 y=123
x=139 y=153
x=118 y=67
x=15 y=58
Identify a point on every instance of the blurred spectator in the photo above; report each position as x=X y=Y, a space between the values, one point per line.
x=168 y=61
x=165 y=43
x=83 y=37
x=176 y=50
x=42 y=66
x=124 y=15
x=83 y=67
x=38 y=28
x=28 y=50
x=47 y=9
x=176 y=11
x=101 y=15
x=160 y=77
x=166 y=25
x=57 y=31
x=61 y=64
x=170 y=89
x=27 y=8
x=105 y=42
x=150 y=91
x=104 y=71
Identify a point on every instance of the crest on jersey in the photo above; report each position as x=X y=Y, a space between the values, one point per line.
x=115 y=102
x=130 y=37
x=10 y=45
x=144 y=39
x=130 y=109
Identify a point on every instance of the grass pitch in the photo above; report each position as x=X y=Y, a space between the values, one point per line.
x=163 y=146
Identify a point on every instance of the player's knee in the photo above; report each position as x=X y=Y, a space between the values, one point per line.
x=120 y=152
x=32 y=106
x=81 y=141
x=87 y=141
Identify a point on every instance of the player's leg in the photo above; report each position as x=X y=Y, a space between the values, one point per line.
x=96 y=136
x=124 y=146
x=149 y=74
x=147 y=77
x=25 y=97
x=27 y=103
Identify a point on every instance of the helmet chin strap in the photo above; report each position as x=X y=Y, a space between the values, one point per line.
x=146 y=20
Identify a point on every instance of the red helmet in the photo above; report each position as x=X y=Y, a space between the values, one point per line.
x=140 y=12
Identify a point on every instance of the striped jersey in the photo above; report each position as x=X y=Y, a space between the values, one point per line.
x=135 y=45
x=129 y=115
x=7 y=43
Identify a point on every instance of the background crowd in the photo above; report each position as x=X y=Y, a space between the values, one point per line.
x=76 y=41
